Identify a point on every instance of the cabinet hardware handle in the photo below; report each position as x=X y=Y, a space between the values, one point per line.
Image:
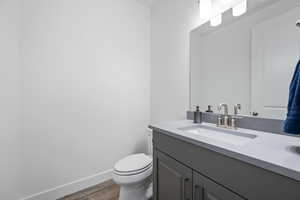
x=185 y=180
x=197 y=192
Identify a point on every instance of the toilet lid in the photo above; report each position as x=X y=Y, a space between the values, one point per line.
x=133 y=163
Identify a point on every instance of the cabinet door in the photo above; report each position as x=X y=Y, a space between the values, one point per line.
x=206 y=189
x=172 y=180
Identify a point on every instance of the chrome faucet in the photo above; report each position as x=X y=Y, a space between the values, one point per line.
x=225 y=106
x=223 y=120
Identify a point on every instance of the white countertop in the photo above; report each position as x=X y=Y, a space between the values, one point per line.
x=267 y=150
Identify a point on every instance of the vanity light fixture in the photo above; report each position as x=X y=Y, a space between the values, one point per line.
x=216 y=20
x=205 y=7
x=240 y=9
x=211 y=10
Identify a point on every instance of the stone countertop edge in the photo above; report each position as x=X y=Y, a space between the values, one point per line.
x=290 y=173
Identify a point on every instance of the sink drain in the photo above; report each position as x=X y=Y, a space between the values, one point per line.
x=295 y=149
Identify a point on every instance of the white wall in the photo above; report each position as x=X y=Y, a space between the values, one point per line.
x=10 y=99
x=86 y=87
x=171 y=22
x=86 y=83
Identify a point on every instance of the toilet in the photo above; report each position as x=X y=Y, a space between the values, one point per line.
x=133 y=175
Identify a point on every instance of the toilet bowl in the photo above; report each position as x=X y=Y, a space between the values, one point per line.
x=133 y=175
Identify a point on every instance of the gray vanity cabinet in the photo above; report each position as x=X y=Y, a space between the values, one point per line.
x=206 y=189
x=184 y=170
x=172 y=180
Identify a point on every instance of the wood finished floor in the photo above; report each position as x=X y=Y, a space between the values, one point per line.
x=104 y=191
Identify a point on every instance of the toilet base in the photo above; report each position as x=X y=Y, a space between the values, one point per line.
x=133 y=192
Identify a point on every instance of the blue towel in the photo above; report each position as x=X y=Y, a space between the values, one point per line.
x=292 y=122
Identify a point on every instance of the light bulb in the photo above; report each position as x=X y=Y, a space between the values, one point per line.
x=205 y=7
x=216 y=20
x=240 y=9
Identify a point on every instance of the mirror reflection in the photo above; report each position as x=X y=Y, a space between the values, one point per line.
x=248 y=60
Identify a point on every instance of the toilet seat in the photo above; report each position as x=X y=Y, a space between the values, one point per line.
x=134 y=172
x=131 y=179
x=133 y=165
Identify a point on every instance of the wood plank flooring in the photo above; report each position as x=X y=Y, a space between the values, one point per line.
x=104 y=191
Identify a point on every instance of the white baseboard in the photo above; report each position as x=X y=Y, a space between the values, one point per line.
x=69 y=188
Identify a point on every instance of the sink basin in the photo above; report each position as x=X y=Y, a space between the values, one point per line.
x=233 y=137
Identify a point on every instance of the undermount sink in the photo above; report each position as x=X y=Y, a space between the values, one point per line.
x=233 y=137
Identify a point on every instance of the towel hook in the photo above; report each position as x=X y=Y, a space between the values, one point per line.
x=298 y=23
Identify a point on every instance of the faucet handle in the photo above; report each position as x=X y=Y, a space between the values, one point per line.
x=236 y=108
x=225 y=106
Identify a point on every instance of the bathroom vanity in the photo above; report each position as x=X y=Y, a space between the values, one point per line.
x=246 y=64
x=203 y=162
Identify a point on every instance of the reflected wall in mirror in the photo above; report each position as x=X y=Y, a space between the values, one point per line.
x=248 y=60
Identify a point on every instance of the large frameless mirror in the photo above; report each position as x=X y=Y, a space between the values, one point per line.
x=247 y=60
